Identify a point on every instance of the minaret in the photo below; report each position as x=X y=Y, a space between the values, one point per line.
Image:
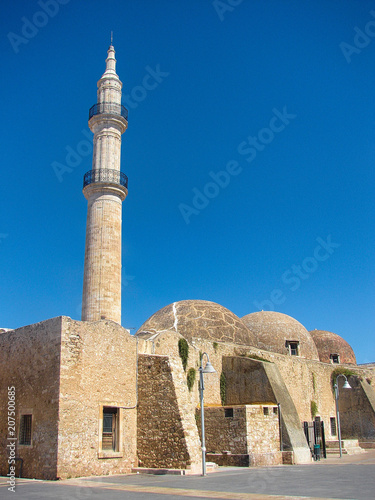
x=105 y=187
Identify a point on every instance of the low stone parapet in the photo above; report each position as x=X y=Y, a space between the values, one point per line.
x=246 y=460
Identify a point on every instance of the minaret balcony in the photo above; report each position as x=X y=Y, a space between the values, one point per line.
x=105 y=176
x=109 y=108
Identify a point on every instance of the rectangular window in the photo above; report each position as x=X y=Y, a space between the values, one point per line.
x=275 y=410
x=333 y=426
x=265 y=410
x=228 y=412
x=25 y=430
x=110 y=428
x=293 y=347
x=335 y=358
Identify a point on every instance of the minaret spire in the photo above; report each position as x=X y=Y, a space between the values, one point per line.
x=110 y=64
x=105 y=187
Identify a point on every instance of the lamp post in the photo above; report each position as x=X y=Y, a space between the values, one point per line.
x=207 y=369
x=336 y=387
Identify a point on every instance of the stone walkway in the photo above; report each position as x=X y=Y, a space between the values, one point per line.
x=350 y=478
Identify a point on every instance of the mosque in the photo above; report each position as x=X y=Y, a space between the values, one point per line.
x=82 y=398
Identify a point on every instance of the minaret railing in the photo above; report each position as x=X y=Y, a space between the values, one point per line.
x=105 y=175
x=111 y=108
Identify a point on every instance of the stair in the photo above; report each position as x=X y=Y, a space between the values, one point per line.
x=335 y=451
x=348 y=447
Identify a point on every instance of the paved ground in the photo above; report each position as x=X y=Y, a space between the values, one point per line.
x=352 y=477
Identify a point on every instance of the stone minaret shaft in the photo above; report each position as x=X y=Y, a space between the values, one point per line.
x=105 y=187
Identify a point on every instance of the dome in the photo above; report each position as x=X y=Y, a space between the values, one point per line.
x=277 y=332
x=199 y=318
x=332 y=348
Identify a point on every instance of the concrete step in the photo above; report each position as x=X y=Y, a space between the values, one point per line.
x=345 y=443
x=334 y=451
x=210 y=467
x=367 y=445
x=351 y=447
x=332 y=444
x=158 y=472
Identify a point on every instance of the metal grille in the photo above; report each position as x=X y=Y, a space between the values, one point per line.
x=25 y=429
x=105 y=175
x=111 y=108
x=314 y=432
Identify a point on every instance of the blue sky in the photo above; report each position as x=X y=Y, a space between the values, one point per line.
x=279 y=95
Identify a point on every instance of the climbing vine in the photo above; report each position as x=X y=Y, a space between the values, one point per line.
x=314 y=381
x=223 y=388
x=341 y=371
x=190 y=378
x=314 y=409
x=183 y=351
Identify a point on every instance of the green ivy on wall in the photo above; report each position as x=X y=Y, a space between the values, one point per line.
x=341 y=371
x=190 y=378
x=183 y=351
x=223 y=388
x=314 y=409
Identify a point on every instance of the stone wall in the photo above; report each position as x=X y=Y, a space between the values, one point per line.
x=263 y=435
x=167 y=432
x=225 y=434
x=262 y=422
x=64 y=372
x=251 y=430
x=306 y=381
x=246 y=381
x=98 y=368
x=357 y=410
x=30 y=362
x=251 y=381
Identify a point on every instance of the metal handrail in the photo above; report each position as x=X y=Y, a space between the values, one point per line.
x=105 y=175
x=111 y=108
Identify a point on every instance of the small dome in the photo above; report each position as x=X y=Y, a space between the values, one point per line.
x=332 y=348
x=199 y=318
x=277 y=332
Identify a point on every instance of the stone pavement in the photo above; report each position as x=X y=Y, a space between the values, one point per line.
x=352 y=477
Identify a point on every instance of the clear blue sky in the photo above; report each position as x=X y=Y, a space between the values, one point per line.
x=226 y=72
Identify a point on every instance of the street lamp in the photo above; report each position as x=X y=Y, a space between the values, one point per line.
x=207 y=369
x=336 y=387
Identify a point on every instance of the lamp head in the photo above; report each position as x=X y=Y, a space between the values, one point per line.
x=208 y=368
x=346 y=385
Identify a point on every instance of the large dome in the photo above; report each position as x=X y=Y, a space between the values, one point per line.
x=332 y=348
x=277 y=332
x=199 y=318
